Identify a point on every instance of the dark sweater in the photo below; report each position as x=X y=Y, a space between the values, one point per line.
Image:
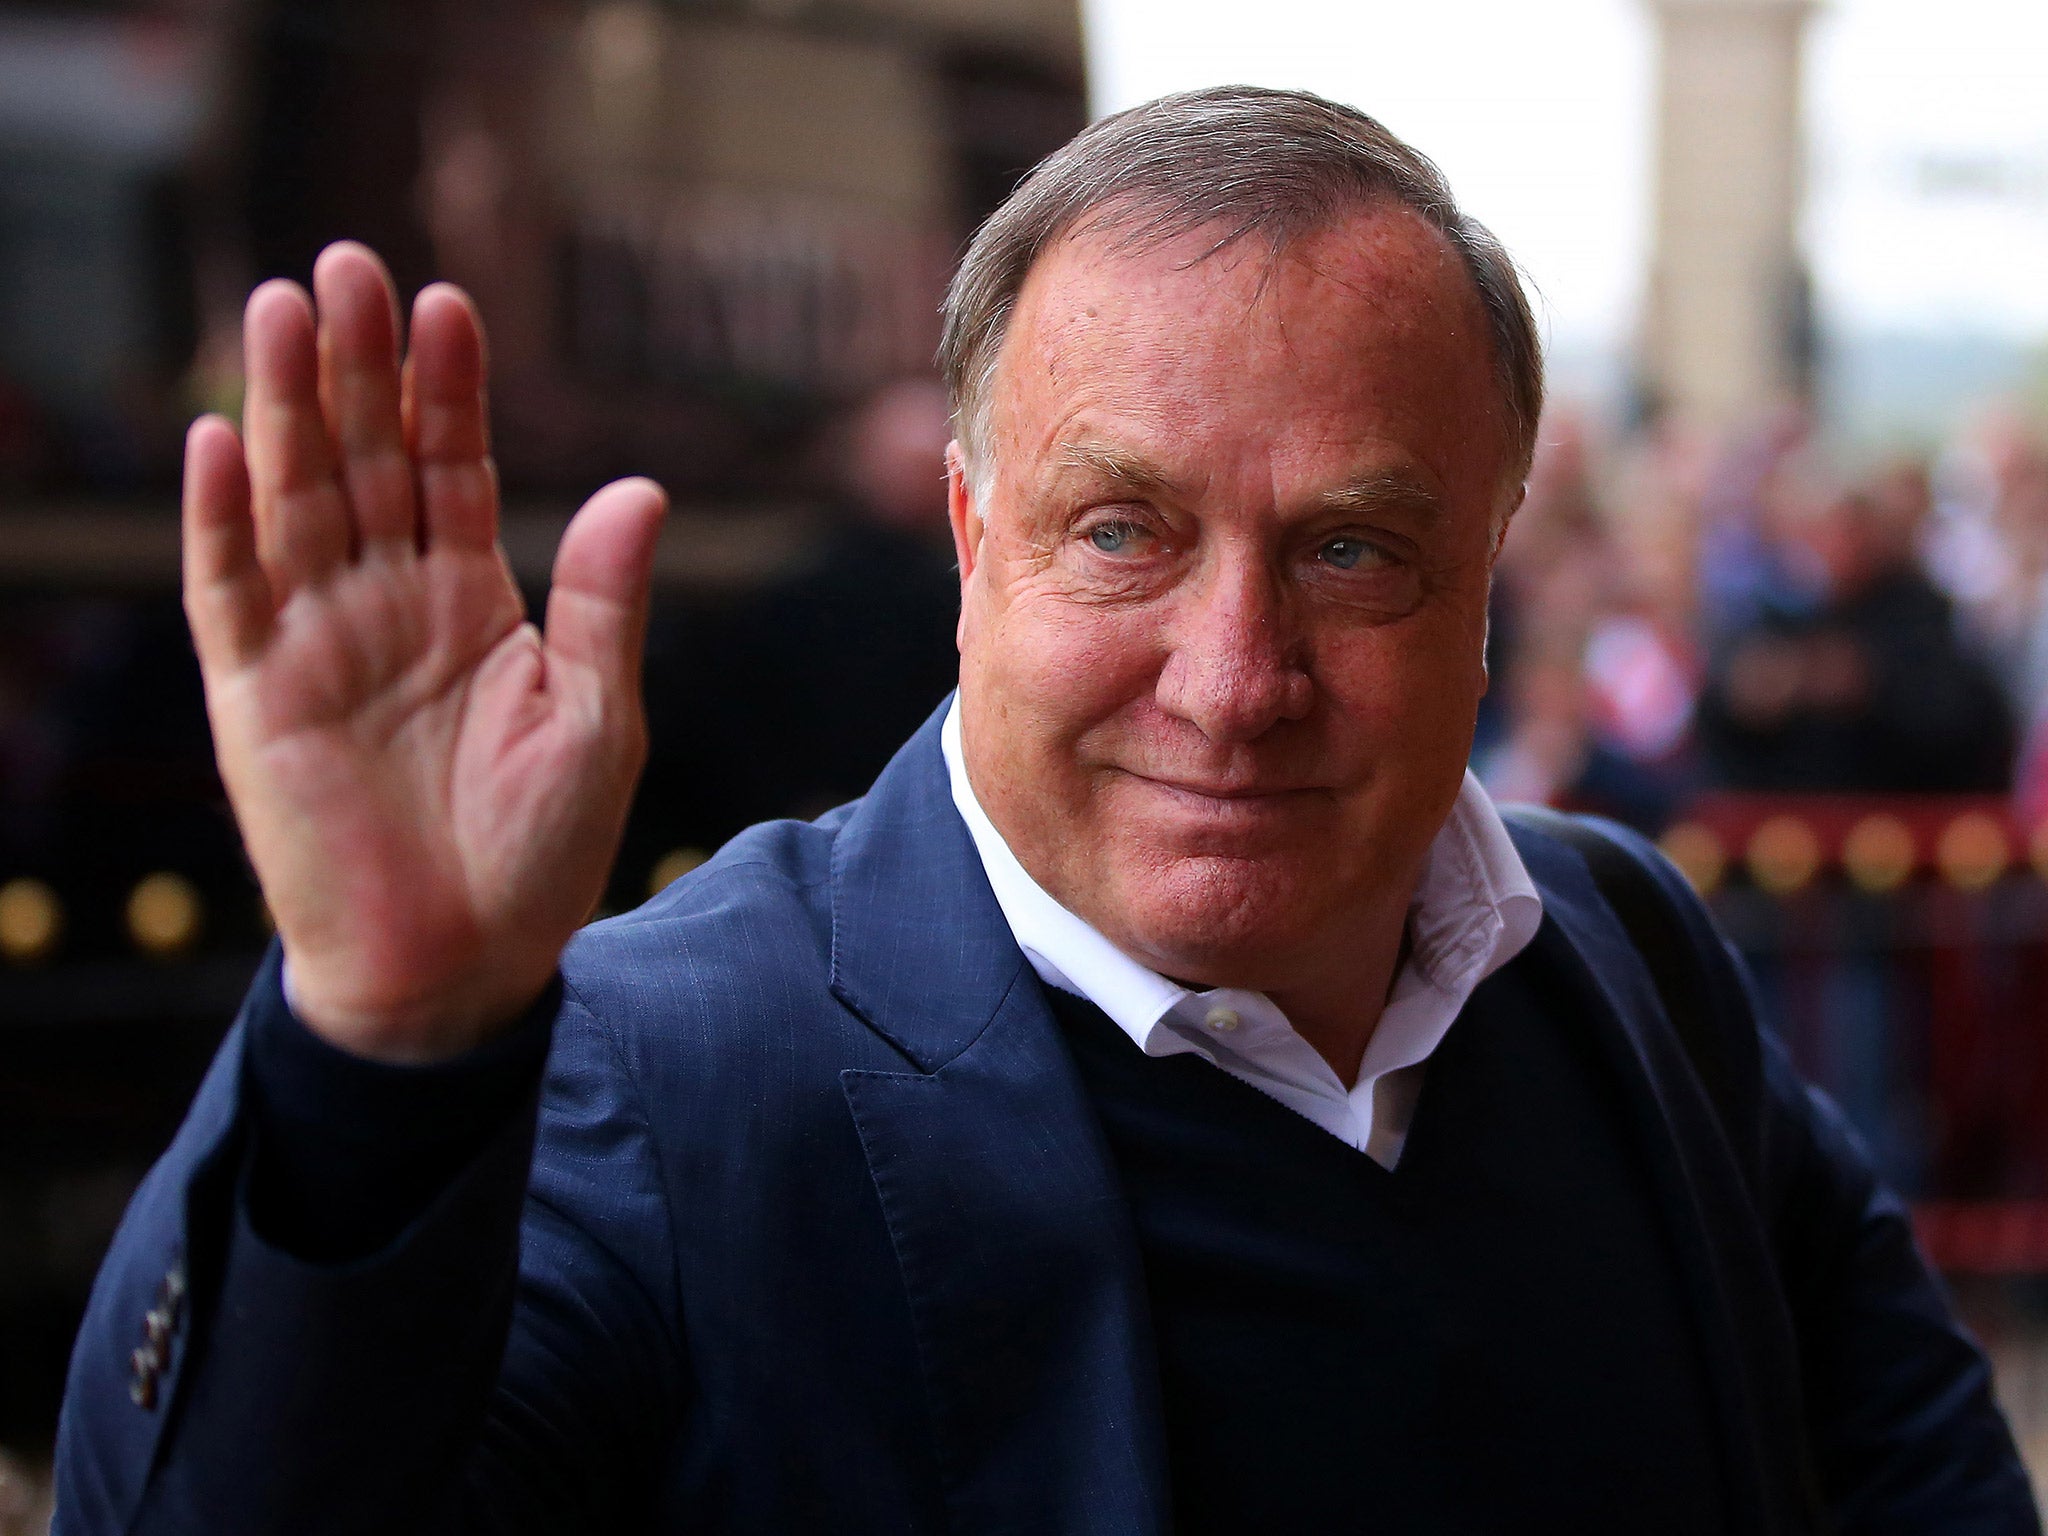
x=1490 y=1338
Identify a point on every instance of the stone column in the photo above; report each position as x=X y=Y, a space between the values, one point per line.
x=1727 y=326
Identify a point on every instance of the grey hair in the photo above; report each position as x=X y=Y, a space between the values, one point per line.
x=1244 y=159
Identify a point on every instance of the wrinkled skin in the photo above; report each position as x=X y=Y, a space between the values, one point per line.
x=1224 y=566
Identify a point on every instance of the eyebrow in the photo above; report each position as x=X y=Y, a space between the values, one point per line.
x=1380 y=492
x=1121 y=468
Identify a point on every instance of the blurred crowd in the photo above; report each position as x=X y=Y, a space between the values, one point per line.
x=1761 y=616
x=1669 y=619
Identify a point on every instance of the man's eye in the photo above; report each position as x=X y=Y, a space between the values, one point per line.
x=1113 y=538
x=1345 y=554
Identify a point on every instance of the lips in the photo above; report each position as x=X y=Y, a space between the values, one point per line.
x=1224 y=798
x=1218 y=818
x=1220 y=790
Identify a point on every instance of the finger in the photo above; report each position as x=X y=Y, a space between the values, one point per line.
x=449 y=420
x=597 y=605
x=302 y=522
x=359 y=387
x=227 y=595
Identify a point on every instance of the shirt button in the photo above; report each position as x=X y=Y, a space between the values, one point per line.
x=1222 y=1020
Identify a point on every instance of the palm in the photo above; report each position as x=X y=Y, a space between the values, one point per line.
x=431 y=791
x=369 y=714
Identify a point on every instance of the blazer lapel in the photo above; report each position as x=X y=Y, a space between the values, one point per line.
x=1719 y=1237
x=1014 y=1241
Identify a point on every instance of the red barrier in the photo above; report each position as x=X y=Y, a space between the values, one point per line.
x=1984 y=1237
x=1916 y=927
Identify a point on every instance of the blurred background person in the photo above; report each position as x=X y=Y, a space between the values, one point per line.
x=1855 y=678
x=1592 y=674
x=789 y=700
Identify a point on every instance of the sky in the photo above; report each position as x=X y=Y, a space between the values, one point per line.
x=1928 y=139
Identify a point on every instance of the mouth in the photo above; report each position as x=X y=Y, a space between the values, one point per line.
x=1225 y=818
x=1248 y=797
x=1219 y=789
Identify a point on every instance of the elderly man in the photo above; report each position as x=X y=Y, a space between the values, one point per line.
x=1169 y=1100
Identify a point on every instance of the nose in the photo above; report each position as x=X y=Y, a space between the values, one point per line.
x=1236 y=668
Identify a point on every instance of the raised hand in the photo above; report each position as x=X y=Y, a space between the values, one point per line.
x=431 y=790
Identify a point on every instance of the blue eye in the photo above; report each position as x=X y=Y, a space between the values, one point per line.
x=1111 y=538
x=1345 y=554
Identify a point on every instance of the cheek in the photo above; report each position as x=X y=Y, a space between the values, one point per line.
x=1416 y=685
x=1053 y=668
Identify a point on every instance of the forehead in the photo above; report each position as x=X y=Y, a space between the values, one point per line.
x=1363 y=340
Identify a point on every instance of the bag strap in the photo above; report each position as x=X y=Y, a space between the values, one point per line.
x=1650 y=917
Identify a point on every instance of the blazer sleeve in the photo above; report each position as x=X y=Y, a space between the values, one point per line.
x=509 y=1362
x=1904 y=1432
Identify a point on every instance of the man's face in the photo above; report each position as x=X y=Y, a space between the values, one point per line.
x=1224 y=587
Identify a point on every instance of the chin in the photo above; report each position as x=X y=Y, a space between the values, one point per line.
x=1218 y=921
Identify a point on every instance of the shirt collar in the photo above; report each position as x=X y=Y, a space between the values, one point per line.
x=1067 y=952
x=1475 y=908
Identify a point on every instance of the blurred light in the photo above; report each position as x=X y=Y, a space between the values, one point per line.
x=1783 y=854
x=2037 y=850
x=1698 y=853
x=622 y=44
x=1879 y=853
x=31 y=919
x=1973 y=851
x=164 y=914
x=671 y=867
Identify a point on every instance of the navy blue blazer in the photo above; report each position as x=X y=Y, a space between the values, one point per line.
x=814 y=1230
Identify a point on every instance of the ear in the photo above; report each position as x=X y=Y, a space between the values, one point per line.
x=1500 y=535
x=965 y=518
x=1507 y=516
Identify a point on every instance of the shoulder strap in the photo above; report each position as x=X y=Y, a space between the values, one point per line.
x=1647 y=914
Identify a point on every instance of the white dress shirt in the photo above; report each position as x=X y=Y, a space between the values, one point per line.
x=1475 y=908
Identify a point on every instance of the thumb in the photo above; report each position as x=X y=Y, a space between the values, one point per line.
x=597 y=603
